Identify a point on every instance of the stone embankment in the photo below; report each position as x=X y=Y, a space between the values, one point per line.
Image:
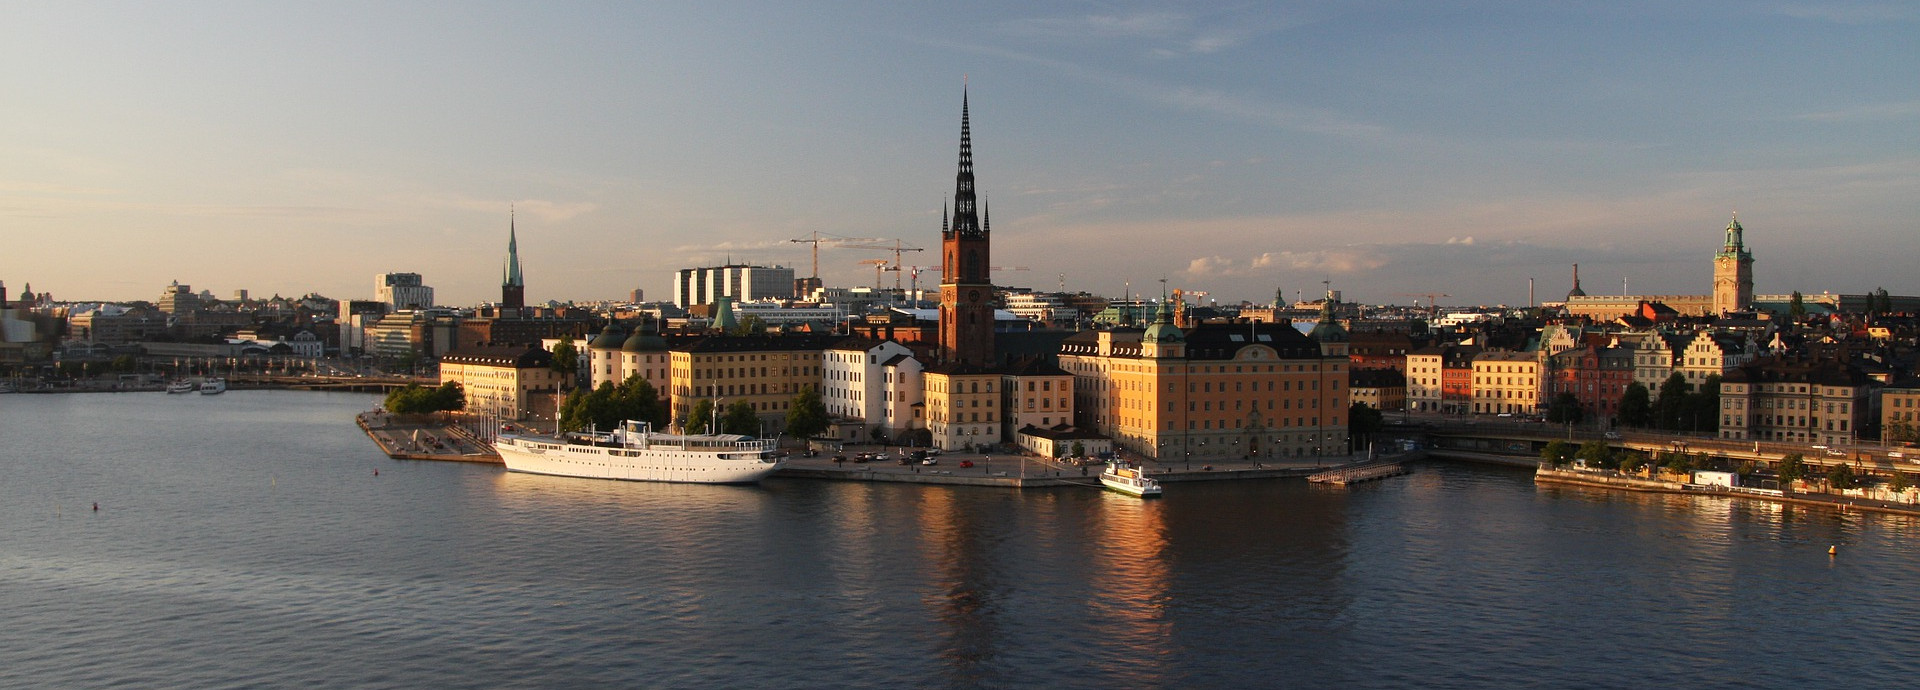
x=408 y=438
x=1613 y=480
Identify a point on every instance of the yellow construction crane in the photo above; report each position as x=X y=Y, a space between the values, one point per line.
x=817 y=237
x=915 y=272
x=878 y=266
x=1433 y=301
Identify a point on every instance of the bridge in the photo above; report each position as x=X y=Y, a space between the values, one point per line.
x=366 y=384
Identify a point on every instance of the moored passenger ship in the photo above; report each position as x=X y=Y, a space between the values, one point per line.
x=634 y=452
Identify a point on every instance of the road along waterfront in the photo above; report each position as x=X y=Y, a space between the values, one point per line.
x=244 y=540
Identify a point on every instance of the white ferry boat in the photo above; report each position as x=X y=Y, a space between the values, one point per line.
x=213 y=386
x=1129 y=480
x=181 y=386
x=634 y=452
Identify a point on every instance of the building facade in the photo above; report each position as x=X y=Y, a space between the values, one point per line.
x=402 y=291
x=516 y=383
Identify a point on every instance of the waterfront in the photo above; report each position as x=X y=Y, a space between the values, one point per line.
x=245 y=540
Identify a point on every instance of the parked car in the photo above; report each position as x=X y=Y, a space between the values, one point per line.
x=966 y=463
x=1613 y=435
x=928 y=461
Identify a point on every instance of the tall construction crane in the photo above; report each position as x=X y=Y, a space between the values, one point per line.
x=1433 y=301
x=878 y=266
x=915 y=272
x=817 y=237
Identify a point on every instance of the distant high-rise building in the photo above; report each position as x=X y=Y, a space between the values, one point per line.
x=742 y=282
x=402 y=291
x=513 y=290
x=638 y=296
x=178 y=299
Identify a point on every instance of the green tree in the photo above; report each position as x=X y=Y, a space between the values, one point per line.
x=1557 y=453
x=1841 y=477
x=1797 y=307
x=566 y=358
x=1362 y=422
x=1702 y=408
x=1636 y=406
x=1079 y=449
x=417 y=399
x=807 y=415
x=1899 y=431
x=1792 y=468
x=1899 y=482
x=638 y=400
x=1670 y=407
x=1595 y=454
x=1564 y=409
x=701 y=417
x=1632 y=460
x=125 y=363
x=740 y=419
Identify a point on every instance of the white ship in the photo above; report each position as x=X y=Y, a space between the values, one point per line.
x=181 y=386
x=635 y=453
x=213 y=386
x=1130 y=480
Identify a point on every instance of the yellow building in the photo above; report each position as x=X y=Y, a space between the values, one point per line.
x=1222 y=391
x=1506 y=382
x=764 y=371
x=963 y=405
x=516 y=383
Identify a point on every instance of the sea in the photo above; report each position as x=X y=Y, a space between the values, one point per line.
x=257 y=539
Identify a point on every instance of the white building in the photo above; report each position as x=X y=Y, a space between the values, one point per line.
x=402 y=291
x=743 y=283
x=872 y=383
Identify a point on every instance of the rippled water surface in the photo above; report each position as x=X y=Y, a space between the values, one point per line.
x=244 y=540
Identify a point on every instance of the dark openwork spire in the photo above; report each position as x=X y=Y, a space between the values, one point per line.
x=511 y=274
x=966 y=220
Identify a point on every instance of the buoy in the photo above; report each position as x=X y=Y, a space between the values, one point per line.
x=376 y=473
x=96 y=506
x=1833 y=550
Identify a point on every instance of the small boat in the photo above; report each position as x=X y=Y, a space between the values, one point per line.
x=181 y=386
x=213 y=386
x=1127 y=479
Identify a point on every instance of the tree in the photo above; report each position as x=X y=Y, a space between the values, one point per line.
x=1636 y=406
x=1564 y=409
x=807 y=415
x=1899 y=483
x=1669 y=408
x=1797 y=307
x=1595 y=454
x=1632 y=460
x=566 y=358
x=1556 y=453
x=1792 y=468
x=1900 y=431
x=740 y=419
x=1079 y=449
x=1702 y=408
x=1841 y=477
x=1362 y=421
x=417 y=399
x=699 y=419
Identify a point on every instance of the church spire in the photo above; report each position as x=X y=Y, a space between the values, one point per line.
x=511 y=274
x=1576 y=291
x=513 y=290
x=966 y=220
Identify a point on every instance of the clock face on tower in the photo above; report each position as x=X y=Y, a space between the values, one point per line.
x=973 y=295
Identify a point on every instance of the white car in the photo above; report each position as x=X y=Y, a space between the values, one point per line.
x=930 y=461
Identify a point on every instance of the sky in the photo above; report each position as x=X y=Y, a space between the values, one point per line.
x=1388 y=148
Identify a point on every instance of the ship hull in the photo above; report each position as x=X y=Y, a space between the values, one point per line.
x=633 y=464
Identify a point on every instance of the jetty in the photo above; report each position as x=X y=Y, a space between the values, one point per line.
x=1363 y=471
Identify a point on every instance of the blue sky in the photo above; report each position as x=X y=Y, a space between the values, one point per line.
x=1404 y=147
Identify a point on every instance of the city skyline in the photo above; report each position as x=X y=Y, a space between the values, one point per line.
x=1459 y=148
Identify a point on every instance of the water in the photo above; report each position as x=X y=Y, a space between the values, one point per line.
x=244 y=540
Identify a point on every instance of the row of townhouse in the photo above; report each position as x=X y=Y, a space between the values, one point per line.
x=1595 y=368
